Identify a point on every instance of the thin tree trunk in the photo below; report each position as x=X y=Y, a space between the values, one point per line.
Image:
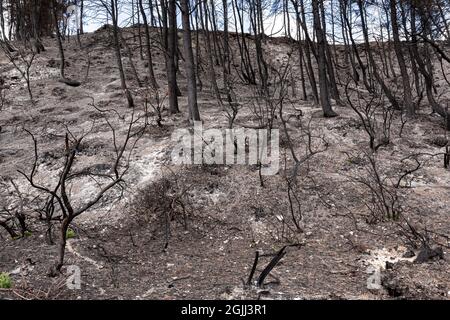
x=123 y=82
x=9 y=229
x=130 y=59
x=189 y=62
x=81 y=16
x=151 y=74
x=407 y=95
x=322 y=63
x=329 y=58
x=172 y=39
x=226 y=50
x=377 y=76
x=62 y=242
x=309 y=49
x=63 y=78
x=209 y=50
x=356 y=53
x=141 y=49
x=425 y=69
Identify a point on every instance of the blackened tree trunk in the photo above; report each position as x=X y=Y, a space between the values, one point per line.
x=209 y=50
x=189 y=62
x=81 y=16
x=141 y=49
x=172 y=39
x=247 y=71
x=299 y=8
x=62 y=59
x=372 y=62
x=417 y=79
x=217 y=50
x=226 y=48
x=346 y=12
x=62 y=244
x=9 y=229
x=58 y=38
x=424 y=62
x=322 y=63
x=151 y=74
x=407 y=94
x=256 y=22
x=329 y=57
x=114 y=17
x=129 y=53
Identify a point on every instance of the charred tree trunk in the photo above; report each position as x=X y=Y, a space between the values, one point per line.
x=9 y=229
x=424 y=64
x=372 y=62
x=329 y=57
x=130 y=59
x=63 y=78
x=81 y=16
x=151 y=74
x=62 y=243
x=172 y=39
x=407 y=94
x=209 y=50
x=356 y=54
x=226 y=50
x=322 y=63
x=114 y=17
x=309 y=50
x=247 y=71
x=189 y=62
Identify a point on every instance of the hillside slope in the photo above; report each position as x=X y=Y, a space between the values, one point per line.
x=227 y=215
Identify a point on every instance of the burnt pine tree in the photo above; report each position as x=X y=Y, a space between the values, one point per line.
x=189 y=62
x=151 y=74
x=322 y=63
x=407 y=94
x=114 y=16
x=62 y=62
x=170 y=39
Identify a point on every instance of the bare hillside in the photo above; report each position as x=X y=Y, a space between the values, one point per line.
x=354 y=224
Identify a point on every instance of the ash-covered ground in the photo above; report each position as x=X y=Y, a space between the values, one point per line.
x=337 y=248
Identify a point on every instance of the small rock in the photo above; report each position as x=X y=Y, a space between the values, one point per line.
x=408 y=254
x=52 y=63
x=16 y=271
x=394 y=286
x=426 y=253
x=440 y=141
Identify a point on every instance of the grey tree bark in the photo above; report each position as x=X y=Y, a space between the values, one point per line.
x=114 y=17
x=407 y=94
x=322 y=63
x=172 y=38
x=151 y=74
x=189 y=62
